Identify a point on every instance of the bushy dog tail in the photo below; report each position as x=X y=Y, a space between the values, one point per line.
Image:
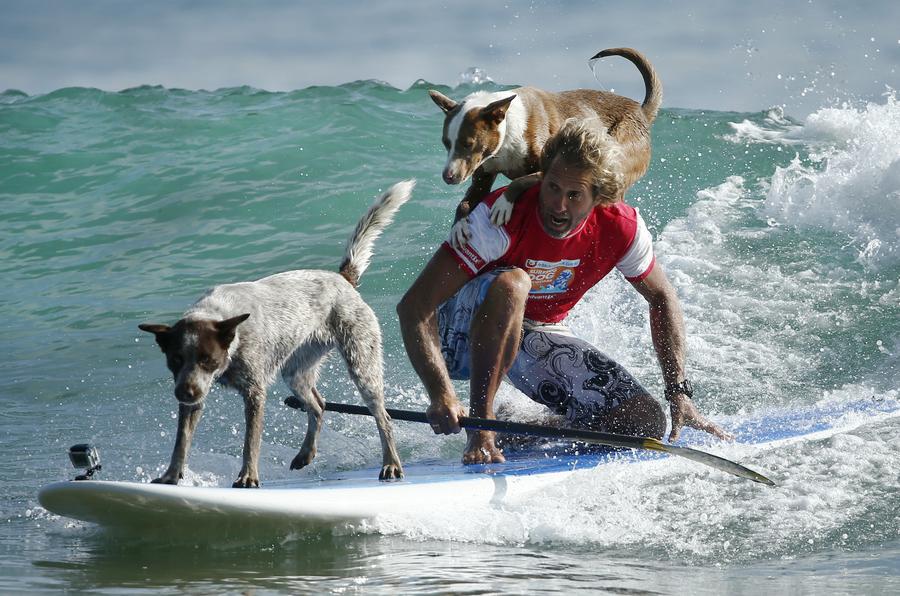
x=653 y=93
x=359 y=247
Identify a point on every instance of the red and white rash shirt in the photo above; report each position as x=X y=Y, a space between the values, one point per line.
x=561 y=269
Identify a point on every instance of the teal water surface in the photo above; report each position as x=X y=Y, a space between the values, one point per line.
x=123 y=208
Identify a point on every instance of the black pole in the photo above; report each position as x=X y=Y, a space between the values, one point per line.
x=587 y=436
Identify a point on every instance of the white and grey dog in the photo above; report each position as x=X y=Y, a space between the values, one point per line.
x=243 y=334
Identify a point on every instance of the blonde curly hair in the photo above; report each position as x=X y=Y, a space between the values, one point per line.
x=585 y=144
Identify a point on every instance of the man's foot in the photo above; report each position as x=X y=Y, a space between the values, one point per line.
x=480 y=449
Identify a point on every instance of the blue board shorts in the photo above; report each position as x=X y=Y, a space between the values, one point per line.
x=553 y=367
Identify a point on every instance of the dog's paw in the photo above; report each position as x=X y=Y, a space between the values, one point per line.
x=168 y=477
x=246 y=481
x=303 y=459
x=165 y=480
x=390 y=472
x=460 y=234
x=502 y=210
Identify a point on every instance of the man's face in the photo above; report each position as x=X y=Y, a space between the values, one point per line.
x=566 y=199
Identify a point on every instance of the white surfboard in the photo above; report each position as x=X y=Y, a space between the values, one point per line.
x=344 y=497
x=358 y=495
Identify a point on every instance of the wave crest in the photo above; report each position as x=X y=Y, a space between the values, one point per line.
x=850 y=183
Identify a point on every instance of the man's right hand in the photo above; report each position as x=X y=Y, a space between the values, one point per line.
x=443 y=416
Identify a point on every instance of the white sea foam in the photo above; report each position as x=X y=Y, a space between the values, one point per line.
x=776 y=129
x=830 y=484
x=850 y=182
x=474 y=76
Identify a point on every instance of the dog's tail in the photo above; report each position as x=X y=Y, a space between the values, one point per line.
x=652 y=84
x=359 y=247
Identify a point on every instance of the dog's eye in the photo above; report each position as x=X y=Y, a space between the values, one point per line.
x=207 y=363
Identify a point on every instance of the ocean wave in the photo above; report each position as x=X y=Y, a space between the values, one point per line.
x=844 y=178
x=851 y=185
x=776 y=128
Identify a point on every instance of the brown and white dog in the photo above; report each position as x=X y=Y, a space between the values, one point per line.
x=504 y=132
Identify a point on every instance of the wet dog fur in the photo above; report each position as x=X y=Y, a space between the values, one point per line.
x=243 y=335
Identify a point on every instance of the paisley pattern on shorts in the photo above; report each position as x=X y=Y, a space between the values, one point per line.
x=571 y=376
x=558 y=370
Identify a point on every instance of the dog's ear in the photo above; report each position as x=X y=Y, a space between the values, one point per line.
x=162 y=333
x=442 y=101
x=227 y=328
x=496 y=111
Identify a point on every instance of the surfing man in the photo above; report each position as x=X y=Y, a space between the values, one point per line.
x=495 y=306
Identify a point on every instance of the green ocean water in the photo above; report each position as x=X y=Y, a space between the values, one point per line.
x=781 y=237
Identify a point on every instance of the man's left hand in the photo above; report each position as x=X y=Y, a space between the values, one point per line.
x=685 y=413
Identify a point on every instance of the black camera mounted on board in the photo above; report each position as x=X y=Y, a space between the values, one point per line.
x=86 y=457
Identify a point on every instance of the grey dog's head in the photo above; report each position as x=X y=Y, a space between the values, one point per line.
x=196 y=352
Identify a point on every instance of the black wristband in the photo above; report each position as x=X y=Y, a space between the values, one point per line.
x=683 y=388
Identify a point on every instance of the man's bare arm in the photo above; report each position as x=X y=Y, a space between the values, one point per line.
x=417 y=311
x=667 y=332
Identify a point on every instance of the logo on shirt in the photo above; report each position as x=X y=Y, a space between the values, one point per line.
x=551 y=278
x=473 y=257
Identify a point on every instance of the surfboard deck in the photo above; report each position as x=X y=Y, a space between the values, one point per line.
x=354 y=496
x=342 y=497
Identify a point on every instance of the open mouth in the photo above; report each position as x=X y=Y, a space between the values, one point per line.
x=559 y=221
x=555 y=223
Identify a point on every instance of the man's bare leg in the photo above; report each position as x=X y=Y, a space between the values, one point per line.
x=494 y=339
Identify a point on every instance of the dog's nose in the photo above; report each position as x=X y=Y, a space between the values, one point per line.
x=187 y=393
x=451 y=176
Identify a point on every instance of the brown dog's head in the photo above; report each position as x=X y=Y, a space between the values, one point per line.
x=196 y=352
x=473 y=131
